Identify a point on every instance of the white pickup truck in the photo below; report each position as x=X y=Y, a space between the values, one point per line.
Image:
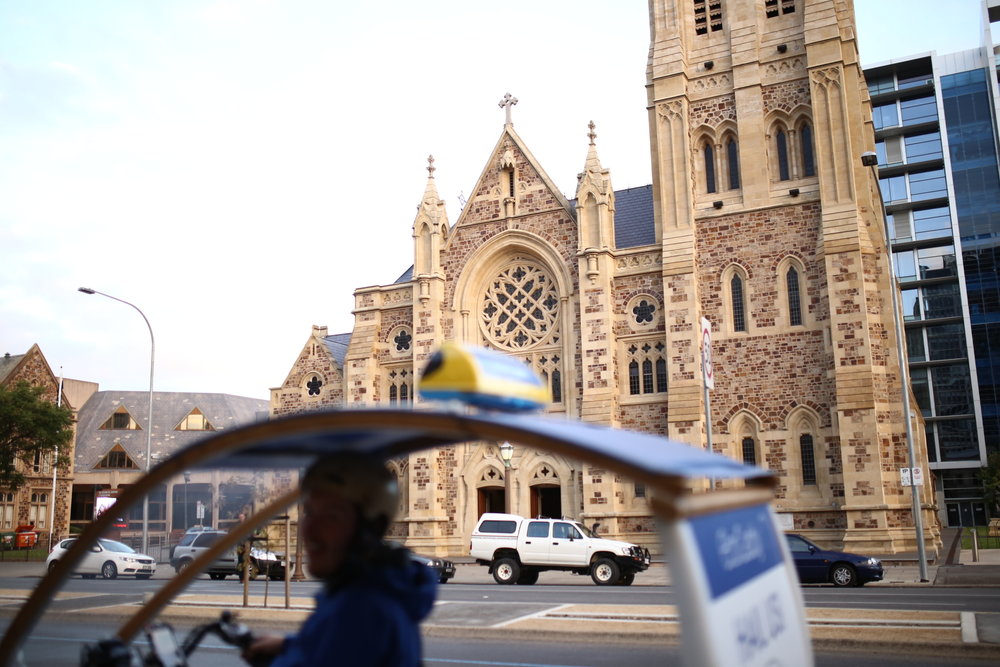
x=517 y=549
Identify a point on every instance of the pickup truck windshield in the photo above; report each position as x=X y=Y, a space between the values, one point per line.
x=583 y=529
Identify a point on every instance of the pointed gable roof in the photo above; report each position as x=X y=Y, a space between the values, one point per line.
x=509 y=141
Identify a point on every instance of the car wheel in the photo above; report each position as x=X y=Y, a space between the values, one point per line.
x=52 y=565
x=181 y=565
x=626 y=579
x=506 y=571
x=443 y=580
x=605 y=572
x=843 y=574
x=528 y=577
x=109 y=570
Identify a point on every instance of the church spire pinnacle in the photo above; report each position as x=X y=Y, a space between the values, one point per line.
x=593 y=163
x=430 y=192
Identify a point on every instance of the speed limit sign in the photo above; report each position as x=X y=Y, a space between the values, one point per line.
x=706 y=353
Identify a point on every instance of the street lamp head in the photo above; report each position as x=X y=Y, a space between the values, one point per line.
x=187 y=476
x=86 y=290
x=506 y=453
x=869 y=159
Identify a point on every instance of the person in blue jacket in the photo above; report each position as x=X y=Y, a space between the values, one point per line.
x=375 y=596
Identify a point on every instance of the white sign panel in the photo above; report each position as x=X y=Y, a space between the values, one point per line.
x=706 y=353
x=904 y=477
x=918 y=476
x=199 y=512
x=741 y=605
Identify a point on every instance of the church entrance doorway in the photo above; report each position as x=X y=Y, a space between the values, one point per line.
x=546 y=500
x=491 y=499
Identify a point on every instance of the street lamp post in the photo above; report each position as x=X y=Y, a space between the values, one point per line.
x=506 y=454
x=149 y=414
x=870 y=160
x=187 y=478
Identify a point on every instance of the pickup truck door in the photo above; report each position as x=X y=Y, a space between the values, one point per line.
x=534 y=549
x=569 y=546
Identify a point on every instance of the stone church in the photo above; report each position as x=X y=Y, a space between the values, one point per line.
x=761 y=219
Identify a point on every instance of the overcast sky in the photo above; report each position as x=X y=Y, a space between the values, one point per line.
x=236 y=168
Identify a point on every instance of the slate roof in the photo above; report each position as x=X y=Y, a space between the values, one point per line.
x=634 y=217
x=8 y=363
x=223 y=411
x=337 y=344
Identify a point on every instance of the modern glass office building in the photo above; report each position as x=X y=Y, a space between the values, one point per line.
x=936 y=138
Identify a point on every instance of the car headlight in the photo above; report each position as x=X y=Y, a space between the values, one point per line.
x=872 y=561
x=434 y=562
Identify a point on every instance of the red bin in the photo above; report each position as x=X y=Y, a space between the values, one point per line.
x=25 y=537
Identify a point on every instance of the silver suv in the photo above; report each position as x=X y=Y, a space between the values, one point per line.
x=193 y=544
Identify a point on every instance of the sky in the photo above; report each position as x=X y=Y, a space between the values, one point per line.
x=235 y=169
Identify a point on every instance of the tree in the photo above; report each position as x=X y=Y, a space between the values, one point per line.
x=30 y=426
x=990 y=476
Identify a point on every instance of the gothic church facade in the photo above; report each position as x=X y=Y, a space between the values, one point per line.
x=760 y=219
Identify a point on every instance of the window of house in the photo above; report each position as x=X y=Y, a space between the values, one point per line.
x=116 y=459
x=931 y=223
x=709 y=155
x=40 y=465
x=399 y=385
x=885 y=115
x=7 y=510
x=733 y=163
x=920 y=110
x=781 y=143
x=314 y=385
x=921 y=147
x=749 y=451
x=808 y=158
x=928 y=185
x=808 y=459
x=794 y=302
x=120 y=420
x=38 y=510
x=775 y=8
x=195 y=421
x=739 y=312
x=647 y=368
x=639 y=490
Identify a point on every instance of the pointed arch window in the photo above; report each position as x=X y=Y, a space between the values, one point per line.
x=808 y=455
x=781 y=144
x=808 y=157
x=556 y=386
x=733 y=163
x=739 y=310
x=794 y=300
x=633 y=377
x=749 y=446
x=709 y=154
x=647 y=377
x=661 y=375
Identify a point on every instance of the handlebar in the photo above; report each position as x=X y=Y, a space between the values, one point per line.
x=164 y=650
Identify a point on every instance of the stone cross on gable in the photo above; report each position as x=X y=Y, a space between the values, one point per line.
x=430 y=166
x=592 y=135
x=506 y=103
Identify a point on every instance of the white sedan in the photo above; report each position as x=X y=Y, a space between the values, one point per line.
x=107 y=558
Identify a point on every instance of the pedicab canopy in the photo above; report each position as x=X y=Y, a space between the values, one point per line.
x=739 y=599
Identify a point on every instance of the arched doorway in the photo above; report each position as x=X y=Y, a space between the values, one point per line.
x=491 y=499
x=546 y=501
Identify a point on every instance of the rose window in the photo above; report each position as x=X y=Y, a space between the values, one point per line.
x=520 y=307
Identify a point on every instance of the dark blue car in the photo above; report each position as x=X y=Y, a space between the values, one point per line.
x=819 y=566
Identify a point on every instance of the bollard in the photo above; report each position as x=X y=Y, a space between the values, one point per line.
x=975 y=545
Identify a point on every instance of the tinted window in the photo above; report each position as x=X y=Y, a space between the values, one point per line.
x=494 y=526
x=187 y=540
x=797 y=544
x=208 y=539
x=538 y=529
x=922 y=110
x=565 y=531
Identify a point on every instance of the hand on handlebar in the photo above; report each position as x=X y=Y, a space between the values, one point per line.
x=262 y=649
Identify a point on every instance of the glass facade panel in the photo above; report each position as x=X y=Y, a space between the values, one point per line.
x=905 y=265
x=928 y=185
x=957 y=440
x=932 y=222
x=945 y=341
x=942 y=301
x=952 y=390
x=915 y=345
x=922 y=147
x=937 y=262
x=885 y=115
x=882 y=84
x=920 y=110
x=921 y=389
x=893 y=189
x=910 y=304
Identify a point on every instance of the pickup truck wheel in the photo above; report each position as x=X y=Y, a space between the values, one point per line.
x=528 y=577
x=506 y=571
x=626 y=579
x=605 y=572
